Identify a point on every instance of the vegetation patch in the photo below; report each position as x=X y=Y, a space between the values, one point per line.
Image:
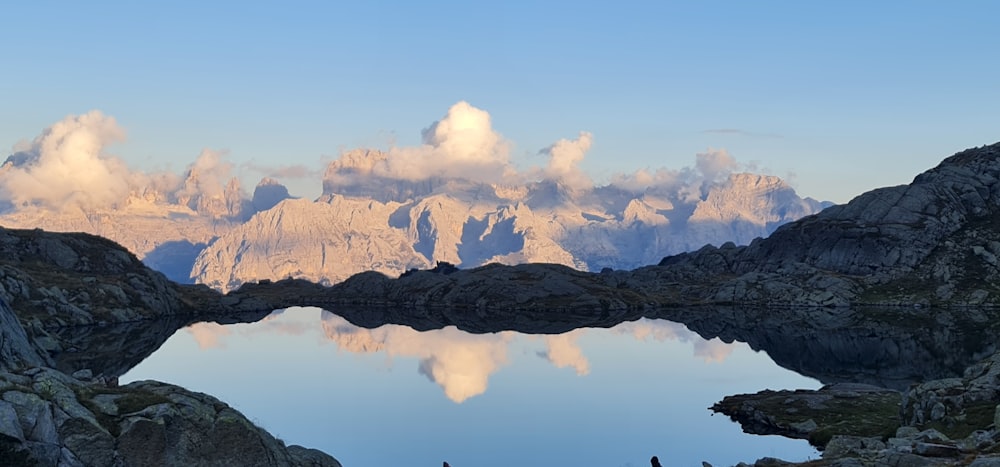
x=816 y=415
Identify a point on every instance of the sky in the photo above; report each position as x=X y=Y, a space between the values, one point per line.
x=836 y=97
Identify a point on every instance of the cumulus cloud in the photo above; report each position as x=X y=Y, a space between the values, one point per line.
x=563 y=351
x=463 y=144
x=715 y=165
x=207 y=175
x=459 y=362
x=564 y=159
x=67 y=165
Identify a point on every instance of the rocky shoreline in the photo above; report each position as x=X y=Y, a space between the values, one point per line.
x=951 y=421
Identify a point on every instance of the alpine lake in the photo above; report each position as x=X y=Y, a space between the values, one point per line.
x=391 y=395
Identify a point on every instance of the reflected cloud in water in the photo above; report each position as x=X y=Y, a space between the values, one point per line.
x=209 y=335
x=303 y=372
x=563 y=351
x=460 y=363
x=713 y=350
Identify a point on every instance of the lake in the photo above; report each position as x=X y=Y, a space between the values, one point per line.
x=393 y=396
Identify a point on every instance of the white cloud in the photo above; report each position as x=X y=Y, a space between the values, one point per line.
x=463 y=144
x=564 y=159
x=715 y=165
x=207 y=175
x=67 y=166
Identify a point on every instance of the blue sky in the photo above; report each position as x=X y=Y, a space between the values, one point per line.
x=841 y=97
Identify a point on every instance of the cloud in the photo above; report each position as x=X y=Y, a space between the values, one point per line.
x=715 y=165
x=688 y=184
x=563 y=351
x=207 y=175
x=463 y=144
x=67 y=166
x=564 y=159
x=459 y=362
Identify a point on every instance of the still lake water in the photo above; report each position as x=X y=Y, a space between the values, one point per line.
x=393 y=396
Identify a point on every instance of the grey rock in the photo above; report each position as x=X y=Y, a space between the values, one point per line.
x=986 y=461
x=143 y=442
x=35 y=415
x=9 y=424
x=935 y=450
x=904 y=459
x=16 y=351
x=89 y=442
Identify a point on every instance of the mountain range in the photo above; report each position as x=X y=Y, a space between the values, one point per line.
x=209 y=231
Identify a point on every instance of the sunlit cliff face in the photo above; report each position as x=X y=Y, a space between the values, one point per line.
x=460 y=362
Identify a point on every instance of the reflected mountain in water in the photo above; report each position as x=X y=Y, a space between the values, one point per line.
x=891 y=349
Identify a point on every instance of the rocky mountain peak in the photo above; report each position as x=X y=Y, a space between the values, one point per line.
x=268 y=193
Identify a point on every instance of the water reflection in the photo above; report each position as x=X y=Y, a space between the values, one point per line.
x=584 y=397
x=636 y=377
x=710 y=349
x=459 y=362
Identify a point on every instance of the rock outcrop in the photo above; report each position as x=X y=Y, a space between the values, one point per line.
x=53 y=279
x=50 y=418
x=16 y=351
x=951 y=421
